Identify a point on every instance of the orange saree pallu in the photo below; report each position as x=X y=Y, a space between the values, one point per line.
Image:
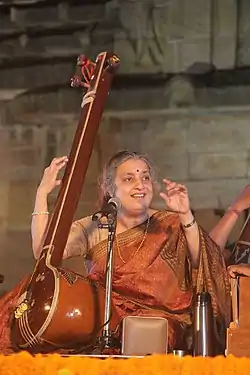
x=152 y=275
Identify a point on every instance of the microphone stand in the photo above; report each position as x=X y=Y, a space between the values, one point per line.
x=107 y=341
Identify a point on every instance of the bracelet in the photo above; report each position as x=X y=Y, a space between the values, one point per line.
x=237 y=212
x=35 y=213
x=185 y=226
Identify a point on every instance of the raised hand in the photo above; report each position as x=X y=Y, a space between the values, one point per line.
x=176 y=197
x=50 y=176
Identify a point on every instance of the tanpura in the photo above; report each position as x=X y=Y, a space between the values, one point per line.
x=58 y=308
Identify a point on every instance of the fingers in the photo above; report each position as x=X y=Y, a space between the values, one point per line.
x=56 y=165
x=173 y=187
x=239 y=269
x=234 y=270
x=49 y=180
x=59 y=162
x=231 y=271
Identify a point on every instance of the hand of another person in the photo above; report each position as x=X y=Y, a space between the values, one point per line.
x=241 y=269
x=242 y=201
x=176 y=197
x=50 y=176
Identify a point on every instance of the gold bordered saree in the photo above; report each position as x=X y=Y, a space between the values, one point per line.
x=157 y=280
x=152 y=279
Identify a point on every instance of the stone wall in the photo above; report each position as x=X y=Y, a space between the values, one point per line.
x=181 y=95
x=209 y=151
x=150 y=36
x=172 y=36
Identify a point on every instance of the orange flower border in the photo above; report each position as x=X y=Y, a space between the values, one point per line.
x=25 y=364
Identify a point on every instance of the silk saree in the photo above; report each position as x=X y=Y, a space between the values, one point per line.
x=152 y=276
x=158 y=280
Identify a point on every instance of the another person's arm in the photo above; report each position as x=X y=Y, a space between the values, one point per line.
x=240 y=269
x=223 y=228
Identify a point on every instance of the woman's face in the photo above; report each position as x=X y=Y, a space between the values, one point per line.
x=134 y=187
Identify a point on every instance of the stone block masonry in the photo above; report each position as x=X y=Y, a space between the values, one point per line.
x=209 y=151
x=180 y=96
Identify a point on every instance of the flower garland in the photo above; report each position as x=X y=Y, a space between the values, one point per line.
x=25 y=364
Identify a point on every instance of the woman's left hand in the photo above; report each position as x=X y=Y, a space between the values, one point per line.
x=176 y=197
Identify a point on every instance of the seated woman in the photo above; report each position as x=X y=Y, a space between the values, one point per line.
x=154 y=251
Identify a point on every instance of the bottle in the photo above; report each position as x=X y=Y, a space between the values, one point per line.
x=203 y=326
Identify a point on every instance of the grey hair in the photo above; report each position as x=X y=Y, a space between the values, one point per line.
x=107 y=179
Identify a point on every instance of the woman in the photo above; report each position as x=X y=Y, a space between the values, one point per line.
x=154 y=251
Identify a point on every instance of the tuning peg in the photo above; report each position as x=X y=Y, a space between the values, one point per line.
x=84 y=72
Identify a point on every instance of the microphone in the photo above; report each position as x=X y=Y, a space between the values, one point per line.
x=109 y=209
x=114 y=204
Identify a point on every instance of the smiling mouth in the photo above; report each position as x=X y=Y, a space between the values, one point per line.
x=138 y=196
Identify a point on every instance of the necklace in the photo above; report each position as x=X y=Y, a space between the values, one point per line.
x=139 y=247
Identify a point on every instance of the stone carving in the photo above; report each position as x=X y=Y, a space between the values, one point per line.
x=169 y=36
x=143 y=33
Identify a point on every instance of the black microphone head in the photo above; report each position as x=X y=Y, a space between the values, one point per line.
x=116 y=203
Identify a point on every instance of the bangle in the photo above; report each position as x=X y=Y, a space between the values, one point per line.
x=185 y=226
x=35 y=213
x=237 y=212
